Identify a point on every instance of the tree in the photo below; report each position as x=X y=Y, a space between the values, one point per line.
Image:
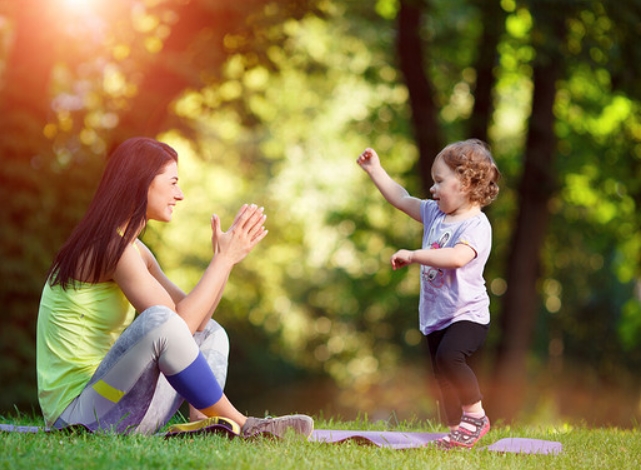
x=538 y=184
x=24 y=108
x=413 y=62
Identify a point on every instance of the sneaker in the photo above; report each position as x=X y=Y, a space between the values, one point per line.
x=204 y=425
x=300 y=424
x=469 y=432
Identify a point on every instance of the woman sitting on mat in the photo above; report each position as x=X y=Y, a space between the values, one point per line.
x=96 y=365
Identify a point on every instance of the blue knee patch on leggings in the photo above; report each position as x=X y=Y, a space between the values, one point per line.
x=197 y=384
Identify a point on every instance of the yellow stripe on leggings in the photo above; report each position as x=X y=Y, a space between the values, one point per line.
x=105 y=390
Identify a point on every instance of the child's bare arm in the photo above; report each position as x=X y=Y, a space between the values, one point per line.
x=446 y=258
x=393 y=192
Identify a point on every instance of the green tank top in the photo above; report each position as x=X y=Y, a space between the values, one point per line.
x=76 y=328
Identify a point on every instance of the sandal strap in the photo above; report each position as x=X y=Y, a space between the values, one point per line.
x=464 y=436
x=477 y=422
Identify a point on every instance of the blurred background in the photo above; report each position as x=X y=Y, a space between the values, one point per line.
x=271 y=102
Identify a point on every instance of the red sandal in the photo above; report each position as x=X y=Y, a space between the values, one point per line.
x=464 y=437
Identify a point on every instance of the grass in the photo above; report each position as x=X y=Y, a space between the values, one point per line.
x=583 y=448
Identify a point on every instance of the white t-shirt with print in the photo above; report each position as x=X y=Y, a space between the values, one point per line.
x=451 y=295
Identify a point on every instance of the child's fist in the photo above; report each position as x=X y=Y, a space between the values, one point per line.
x=367 y=158
x=401 y=258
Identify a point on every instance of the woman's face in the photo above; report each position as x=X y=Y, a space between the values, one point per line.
x=163 y=194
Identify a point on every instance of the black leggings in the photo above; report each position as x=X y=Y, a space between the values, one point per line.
x=449 y=350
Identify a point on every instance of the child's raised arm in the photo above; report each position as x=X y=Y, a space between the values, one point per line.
x=393 y=192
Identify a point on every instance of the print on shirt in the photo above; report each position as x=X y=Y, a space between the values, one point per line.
x=432 y=275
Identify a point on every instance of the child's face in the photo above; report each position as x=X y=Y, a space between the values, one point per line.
x=447 y=189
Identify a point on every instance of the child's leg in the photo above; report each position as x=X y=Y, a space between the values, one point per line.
x=475 y=409
x=449 y=396
x=457 y=343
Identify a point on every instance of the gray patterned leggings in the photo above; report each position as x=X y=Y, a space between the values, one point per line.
x=129 y=392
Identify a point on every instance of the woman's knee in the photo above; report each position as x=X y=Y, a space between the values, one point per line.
x=213 y=337
x=160 y=312
x=212 y=328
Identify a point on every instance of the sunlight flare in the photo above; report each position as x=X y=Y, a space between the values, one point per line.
x=79 y=5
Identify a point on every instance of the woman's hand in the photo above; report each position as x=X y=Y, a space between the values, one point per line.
x=245 y=233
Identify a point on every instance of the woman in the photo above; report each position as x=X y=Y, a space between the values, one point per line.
x=99 y=367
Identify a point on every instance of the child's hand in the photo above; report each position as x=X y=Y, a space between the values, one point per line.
x=368 y=159
x=401 y=258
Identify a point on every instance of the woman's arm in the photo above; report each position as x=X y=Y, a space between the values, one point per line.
x=445 y=258
x=175 y=292
x=144 y=284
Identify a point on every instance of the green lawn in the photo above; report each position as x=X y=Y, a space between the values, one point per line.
x=583 y=448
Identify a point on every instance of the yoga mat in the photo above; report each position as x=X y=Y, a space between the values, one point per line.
x=388 y=439
x=37 y=429
x=392 y=439
x=521 y=445
x=24 y=429
x=409 y=440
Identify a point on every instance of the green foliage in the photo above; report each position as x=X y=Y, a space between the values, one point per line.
x=319 y=285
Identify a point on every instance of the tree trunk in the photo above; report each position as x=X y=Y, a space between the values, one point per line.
x=493 y=20
x=413 y=60
x=168 y=74
x=192 y=57
x=24 y=108
x=521 y=300
x=30 y=62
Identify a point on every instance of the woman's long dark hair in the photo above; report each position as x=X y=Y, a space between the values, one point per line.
x=96 y=245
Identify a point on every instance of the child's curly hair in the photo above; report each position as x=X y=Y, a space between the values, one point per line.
x=472 y=161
